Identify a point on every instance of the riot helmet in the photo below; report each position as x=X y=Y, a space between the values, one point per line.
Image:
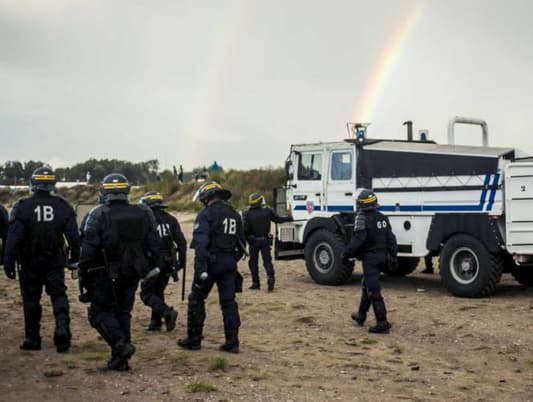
x=43 y=179
x=255 y=200
x=153 y=199
x=210 y=190
x=115 y=187
x=367 y=200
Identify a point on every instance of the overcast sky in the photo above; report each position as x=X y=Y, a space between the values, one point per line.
x=238 y=81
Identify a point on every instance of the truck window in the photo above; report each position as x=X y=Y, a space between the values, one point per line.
x=341 y=165
x=310 y=166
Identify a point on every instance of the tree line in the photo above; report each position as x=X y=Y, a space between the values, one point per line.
x=16 y=172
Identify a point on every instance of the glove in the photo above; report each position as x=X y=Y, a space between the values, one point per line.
x=10 y=271
x=201 y=272
x=174 y=274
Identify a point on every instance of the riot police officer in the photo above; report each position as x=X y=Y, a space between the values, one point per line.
x=375 y=245
x=256 y=221
x=35 y=240
x=153 y=293
x=120 y=245
x=217 y=237
x=4 y=223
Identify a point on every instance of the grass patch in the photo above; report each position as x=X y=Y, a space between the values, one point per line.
x=217 y=363
x=71 y=364
x=199 y=386
x=93 y=346
x=369 y=341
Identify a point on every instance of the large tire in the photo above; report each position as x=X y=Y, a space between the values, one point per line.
x=323 y=258
x=406 y=265
x=468 y=269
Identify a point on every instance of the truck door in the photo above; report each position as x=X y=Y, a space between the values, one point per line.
x=308 y=188
x=341 y=181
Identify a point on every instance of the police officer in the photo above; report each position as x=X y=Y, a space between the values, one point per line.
x=217 y=237
x=120 y=245
x=256 y=221
x=4 y=223
x=153 y=293
x=35 y=240
x=375 y=245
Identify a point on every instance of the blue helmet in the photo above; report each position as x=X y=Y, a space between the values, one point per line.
x=153 y=199
x=43 y=179
x=210 y=190
x=115 y=187
x=367 y=200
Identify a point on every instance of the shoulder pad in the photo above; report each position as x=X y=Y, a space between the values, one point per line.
x=360 y=222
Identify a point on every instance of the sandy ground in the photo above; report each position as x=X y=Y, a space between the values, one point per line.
x=297 y=344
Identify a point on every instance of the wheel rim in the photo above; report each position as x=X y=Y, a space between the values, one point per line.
x=323 y=258
x=464 y=266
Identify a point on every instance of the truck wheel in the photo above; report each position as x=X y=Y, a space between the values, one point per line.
x=468 y=269
x=323 y=258
x=522 y=275
x=406 y=265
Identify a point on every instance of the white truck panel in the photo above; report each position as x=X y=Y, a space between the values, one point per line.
x=519 y=207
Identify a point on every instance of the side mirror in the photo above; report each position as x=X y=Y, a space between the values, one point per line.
x=289 y=170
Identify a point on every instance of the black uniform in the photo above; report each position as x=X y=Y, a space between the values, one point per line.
x=372 y=242
x=119 y=246
x=153 y=293
x=4 y=223
x=256 y=221
x=216 y=236
x=35 y=240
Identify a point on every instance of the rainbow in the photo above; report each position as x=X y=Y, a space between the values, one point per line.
x=195 y=133
x=384 y=66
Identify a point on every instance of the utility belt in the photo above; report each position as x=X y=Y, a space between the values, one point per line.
x=269 y=237
x=374 y=249
x=213 y=256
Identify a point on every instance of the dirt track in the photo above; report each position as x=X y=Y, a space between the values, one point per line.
x=297 y=344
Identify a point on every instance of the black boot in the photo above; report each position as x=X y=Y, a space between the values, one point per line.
x=33 y=343
x=382 y=327
x=255 y=286
x=154 y=326
x=62 y=336
x=271 y=281
x=427 y=271
x=121 y=352
x=170 y=316
x=195 y=325
x=118 y=364
x=359 y=317
x=232 y=341
x=155 y=322
x=191 y=343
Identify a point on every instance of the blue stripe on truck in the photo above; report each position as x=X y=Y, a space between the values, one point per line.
x=428 y=208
